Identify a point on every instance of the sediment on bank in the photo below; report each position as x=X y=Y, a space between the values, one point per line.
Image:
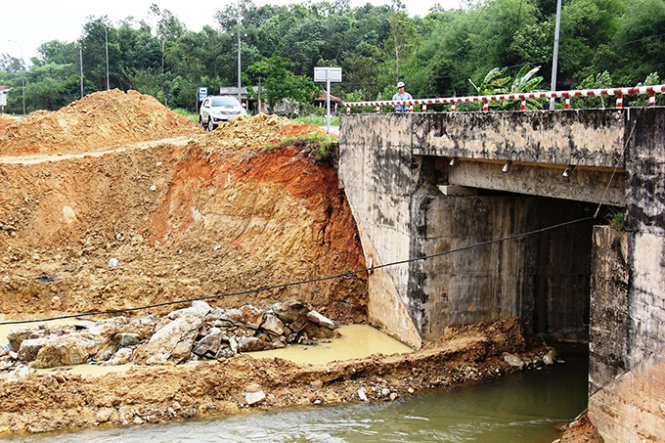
x=45 y=402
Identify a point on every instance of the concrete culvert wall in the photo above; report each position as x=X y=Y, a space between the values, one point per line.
x=543 y=279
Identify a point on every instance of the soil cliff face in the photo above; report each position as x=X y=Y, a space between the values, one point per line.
x=181 y=221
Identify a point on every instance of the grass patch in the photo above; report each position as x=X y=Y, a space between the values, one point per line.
x=318 y=145
x=316 y=120
x=617 y=220
x=186 y=113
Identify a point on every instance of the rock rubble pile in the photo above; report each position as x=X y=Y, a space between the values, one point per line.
x=195 y=333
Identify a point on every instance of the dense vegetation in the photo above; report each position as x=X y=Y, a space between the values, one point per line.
x=602 y=43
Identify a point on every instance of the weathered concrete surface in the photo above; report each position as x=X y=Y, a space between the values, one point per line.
x=534 y=278
x=579 y=137
x=380 y=201
x=608 y=331
x=392 y=166
x=631 y=409
x=582 y=184
x=385 y=307
x=396 y=203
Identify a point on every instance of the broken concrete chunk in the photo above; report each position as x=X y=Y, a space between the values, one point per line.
x=172 y=342
x=290 y=311
x=122 y=357
x=250 y=344
x=319 y=319
x=252 y=398
x=16 y=337
x=65 y=351
x=209 y=345
x=200 y=307
x=513 y=360
x=29 y=348
x=273 y=324
x=248 y=316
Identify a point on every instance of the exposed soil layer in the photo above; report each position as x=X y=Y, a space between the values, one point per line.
x=48 y=402
x=581 y=430
x=181 y=224
x=5 y=120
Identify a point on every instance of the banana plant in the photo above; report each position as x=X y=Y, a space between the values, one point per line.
x=497 y=82
x=526 y=81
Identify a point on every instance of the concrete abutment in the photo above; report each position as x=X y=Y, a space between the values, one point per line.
x=422 y=184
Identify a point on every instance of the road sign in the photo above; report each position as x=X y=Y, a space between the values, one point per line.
x=203 y=92
x=323 y=74
x=328 y=74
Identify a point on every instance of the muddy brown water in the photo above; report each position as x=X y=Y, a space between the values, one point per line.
x=524 y=407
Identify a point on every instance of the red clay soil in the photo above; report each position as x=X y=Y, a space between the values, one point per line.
x=5 y=120
x=581 y=430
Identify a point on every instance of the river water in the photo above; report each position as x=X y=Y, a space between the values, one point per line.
x=523 y=407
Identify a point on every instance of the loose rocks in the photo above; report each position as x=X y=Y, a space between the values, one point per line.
x=197 y=332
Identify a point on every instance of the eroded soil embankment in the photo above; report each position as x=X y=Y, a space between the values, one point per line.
x=212 y=217
x=182 y=224
x=157 y=394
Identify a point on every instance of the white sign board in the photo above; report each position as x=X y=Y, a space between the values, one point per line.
x=3 y=99
x=328 y=74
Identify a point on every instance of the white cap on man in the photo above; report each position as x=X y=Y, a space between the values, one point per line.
x=400 y=85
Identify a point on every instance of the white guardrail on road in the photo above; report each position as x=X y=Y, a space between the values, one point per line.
x=651 y=91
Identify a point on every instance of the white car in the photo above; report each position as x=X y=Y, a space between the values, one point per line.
x=219 y=108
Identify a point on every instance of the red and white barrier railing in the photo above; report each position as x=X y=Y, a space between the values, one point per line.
x=619 y=93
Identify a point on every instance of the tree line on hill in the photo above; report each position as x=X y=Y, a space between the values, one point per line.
x=485 y=46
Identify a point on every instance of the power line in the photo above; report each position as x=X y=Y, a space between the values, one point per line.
x=300 y=282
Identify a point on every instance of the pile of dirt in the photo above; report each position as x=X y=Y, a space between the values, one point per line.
x=5 y=120
x=96 y=122
x=50 y=402
x=254 y=132
x=581 y=429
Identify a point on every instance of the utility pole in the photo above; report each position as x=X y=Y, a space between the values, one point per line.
x=81 y=67
x=106 y=40
x=260 y=107
x=239 y=64
x=22 y=73
x=555 y=55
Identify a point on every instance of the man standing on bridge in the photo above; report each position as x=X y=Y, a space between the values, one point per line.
x=401 y=95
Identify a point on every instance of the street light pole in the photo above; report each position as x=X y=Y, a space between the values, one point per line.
x=81 y=67
x=22 y=73
x=106 y=40
x=239 y=64
x=555 y=55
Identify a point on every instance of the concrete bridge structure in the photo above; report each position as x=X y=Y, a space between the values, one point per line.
x=423 y=184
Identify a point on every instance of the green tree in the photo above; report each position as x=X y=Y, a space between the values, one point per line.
x=401 y=40
x=278 y=83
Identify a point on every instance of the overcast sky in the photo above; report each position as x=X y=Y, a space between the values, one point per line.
x=28 y=24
